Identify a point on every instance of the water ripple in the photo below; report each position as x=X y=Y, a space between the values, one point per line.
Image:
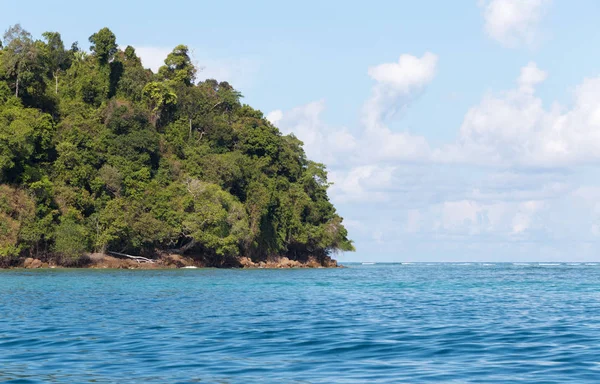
x=450 y=323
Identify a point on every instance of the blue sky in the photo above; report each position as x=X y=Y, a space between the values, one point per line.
x=465 y=130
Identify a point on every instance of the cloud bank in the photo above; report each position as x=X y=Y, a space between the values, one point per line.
x=509 y=177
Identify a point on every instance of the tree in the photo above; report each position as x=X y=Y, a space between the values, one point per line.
x=56 y=55
x=178 y=66
x=16 y=210
x=215 y=220
x=20 y=61
x=70 y=237
x=159 y=99
x=229 y=97
x=25 y=139
x=191 y=103
x=134 y=76
x=104 y=45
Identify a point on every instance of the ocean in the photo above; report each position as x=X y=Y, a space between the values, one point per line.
x=378 y=323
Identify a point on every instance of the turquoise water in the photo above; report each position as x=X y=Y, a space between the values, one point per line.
x=367 y=323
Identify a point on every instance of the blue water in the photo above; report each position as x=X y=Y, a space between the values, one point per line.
x=368 y=323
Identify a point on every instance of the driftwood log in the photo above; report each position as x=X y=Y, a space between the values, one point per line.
x=139 y=259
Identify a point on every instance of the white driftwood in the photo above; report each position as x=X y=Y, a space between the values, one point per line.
x=136 y=258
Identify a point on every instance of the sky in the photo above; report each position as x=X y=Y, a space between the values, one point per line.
x=463 y=130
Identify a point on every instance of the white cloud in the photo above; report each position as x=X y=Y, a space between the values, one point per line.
x=239 y=72
x=322 y=143
x=467 y=217
x=587 y=198
x=506 y=129
x=362 y=183
x=153 y=57
x=396 y=85
x=275 y=116
x=530 y=76
x=524 y=217
x=458 y=214
x=513 y=22
x=408 y=74
x=515 y=129
x=507 y=179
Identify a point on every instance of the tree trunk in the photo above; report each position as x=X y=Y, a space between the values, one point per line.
x=56 y=80
x=190 y=136
x=17 y=88
x=184 y=248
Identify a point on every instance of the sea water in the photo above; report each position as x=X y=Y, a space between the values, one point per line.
x=451 y=323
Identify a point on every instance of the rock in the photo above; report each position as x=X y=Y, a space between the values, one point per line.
x=173 y=260
x=176 y=261
x=246 y=262
x=283 y=262
x=330 y=263
x=31 y=263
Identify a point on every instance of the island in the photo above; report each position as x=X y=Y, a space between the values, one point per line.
x=104 y=163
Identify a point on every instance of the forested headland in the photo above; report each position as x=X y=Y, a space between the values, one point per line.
x=99 y=154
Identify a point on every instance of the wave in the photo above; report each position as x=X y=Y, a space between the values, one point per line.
x=521 y=264
x=548 y=264
x=368 y=263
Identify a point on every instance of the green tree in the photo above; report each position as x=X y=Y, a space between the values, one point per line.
x=160 y=99
x=104 y=45
x=25 y=139
x=134 y=77
x=20 y=60
x=58 y=58
x=70 y=238
x=178 y=66
x=215 y=220
x=16 y=210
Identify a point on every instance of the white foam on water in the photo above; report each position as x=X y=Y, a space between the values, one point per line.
x=368 y=263
x=488 y=264
x=522 y=264
x=591 y=264
x=547 y=264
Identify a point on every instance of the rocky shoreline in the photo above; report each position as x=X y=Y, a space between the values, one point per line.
x=173 y=261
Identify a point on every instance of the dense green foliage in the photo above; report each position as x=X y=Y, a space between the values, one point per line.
x=99 y=154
